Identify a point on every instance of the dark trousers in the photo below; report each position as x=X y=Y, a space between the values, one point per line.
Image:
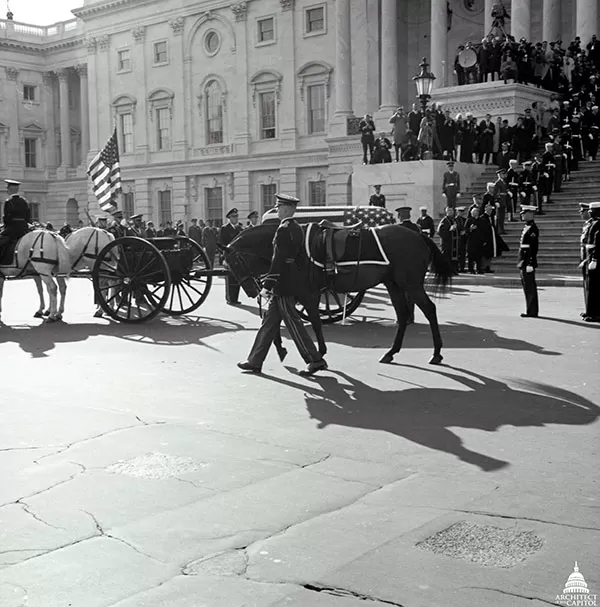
x=462 y=253
x=487 y=155
x=282 y=308
x=397 y=148
x=367 y=144
x=232 y=290
x=530 y=290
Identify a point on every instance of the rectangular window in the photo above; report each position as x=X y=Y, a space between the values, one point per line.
x=214 y=206
x=316 y=108
x=126 y=133
x=30 y=153
x=128 y=205
x=315 y=19
x=267 y=196
x=160 y=52
x=316 y=193
x=28 y=92
x=163 y=129
x=124 y=60
x=164 y=206
x=267 y=115
x=214 y=116
x=266 y=29
x=34 y=207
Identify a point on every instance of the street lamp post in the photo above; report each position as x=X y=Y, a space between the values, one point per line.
x=424 y=83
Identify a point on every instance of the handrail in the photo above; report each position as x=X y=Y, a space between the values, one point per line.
x=38 y=31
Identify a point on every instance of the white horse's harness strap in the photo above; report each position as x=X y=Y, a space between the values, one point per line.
x=42 y=259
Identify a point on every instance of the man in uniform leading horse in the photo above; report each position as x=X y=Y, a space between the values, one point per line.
x=17 y=216
x=281 y=287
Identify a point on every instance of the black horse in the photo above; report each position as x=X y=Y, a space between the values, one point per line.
x=408 y=256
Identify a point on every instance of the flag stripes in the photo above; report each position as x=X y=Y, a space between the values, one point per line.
x=105 y=173
x=340 y=215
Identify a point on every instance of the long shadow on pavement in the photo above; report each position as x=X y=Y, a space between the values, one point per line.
x=41 y=339
x=425 y=415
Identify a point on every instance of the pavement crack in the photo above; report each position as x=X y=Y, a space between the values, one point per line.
x=319 y=461
x=521 y=596
x=522 y=518
x=27 y=508
x=32 y=448
x=343 y=592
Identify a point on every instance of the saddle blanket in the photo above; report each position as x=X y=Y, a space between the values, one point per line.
x=340 y=215
x=351 y=247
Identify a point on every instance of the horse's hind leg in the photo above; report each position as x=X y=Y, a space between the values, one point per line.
x=52 y=296
x=400 y=304
x=38 y=285
x=421 y=299
x=1 y=292
x=62 y=289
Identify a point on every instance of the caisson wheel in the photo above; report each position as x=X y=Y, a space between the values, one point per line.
x=331 y=305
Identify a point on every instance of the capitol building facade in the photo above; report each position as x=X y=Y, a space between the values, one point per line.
x=220 y=104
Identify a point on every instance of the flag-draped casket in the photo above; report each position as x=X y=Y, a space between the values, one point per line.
x=370 y=217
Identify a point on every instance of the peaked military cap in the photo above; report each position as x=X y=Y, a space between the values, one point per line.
x=284 y=199
x=252 y=214
x=117 y=213
x=134 y=217
x=12 y=182
x=233 y=211
x=528 y=207
x=594 y=205
x=403 y=209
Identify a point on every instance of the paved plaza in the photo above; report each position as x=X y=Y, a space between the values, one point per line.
x=140 y=468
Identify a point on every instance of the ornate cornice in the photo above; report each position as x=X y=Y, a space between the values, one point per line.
x=139 y=33
x=177 y=25
x=104 y=43
x=287 y=5
x=240 y=10
x=12 y=73
x=92 y=45
x=63 y=74
x=82 y=70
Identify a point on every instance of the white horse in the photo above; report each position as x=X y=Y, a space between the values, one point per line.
x=80 y=253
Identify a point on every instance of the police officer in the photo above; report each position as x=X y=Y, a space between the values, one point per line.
x=228 y=233
x=528 y=248
x=591 y=244
x=17 y=216
x=281 y=285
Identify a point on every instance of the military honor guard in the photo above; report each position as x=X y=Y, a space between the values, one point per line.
x=288 y=270
x=377 y=199
x=512 y=181
x=528 y=249
x=425 y=222
x=548 y=167
x=16 y=217
x=404 y=219
x=451 y=185
x=118 y=228
x=448 y=233
x=137 y=226
x=253 y=219
x=501 y=197
x=591 y=272
x=527 y=185
x=231 y=230
x=195 y=232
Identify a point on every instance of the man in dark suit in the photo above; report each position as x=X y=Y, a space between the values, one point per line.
x=448 y=232
x=487 y=130
x=367 y=138
x=528 y=248
x=504 y=156
x=414 y=119
x=16 y=218
x=405 y=222
x=195 y=232
x=288 y=271
x=229 y=232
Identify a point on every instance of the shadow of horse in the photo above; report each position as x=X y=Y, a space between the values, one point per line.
x=164 y=331
x=368 y=333
x=425 y=416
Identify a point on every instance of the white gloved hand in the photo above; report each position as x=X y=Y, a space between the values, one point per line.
x=592 y=265
x=529 y=269
x=452 y=228
x=535 y=188
x=265 y=293
x=458 y=195
x=523 y=194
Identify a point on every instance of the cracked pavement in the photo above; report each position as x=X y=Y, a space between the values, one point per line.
x=138 y=468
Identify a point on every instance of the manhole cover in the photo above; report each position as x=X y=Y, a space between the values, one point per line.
x=156 y=466
x=484 y=544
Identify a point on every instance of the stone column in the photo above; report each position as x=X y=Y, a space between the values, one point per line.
x=179 y=109
x=237 y=111
x=520 y=19
x=143 y=200
x=179 y=201
x=586 y=20
x=343 y=59
x=238 y=184
x=287 y=106
x=551 y=20
x=487 y=23
x=389 y=54
x=85 y=116
x=14 y=147
x=439 y=42
x=48 y=101
x=65 y=127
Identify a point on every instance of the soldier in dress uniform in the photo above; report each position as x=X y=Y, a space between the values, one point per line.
x=425 y=223
x=584 y=211
x=253 y=218
x=286 y=275
x=512 y=180
x=451 y=185
x=591 y=271
x=16 y=218
x=448 y=232
x=539 y=182
x=528 y=249
x=137 y=226
x=501 y=196
x=461 y=225
x=377 y=199
x=547 y=168
x=117 y=228
x=526 y=184
x=231 y=230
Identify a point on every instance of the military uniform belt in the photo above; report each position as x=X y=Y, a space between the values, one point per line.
x=525 y=246
x=590 y=246
x=18 y=219
x=513 y=183
x=449 y=184
x=527 y=182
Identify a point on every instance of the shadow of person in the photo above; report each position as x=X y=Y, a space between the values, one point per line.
x=167 y=331
x=425 y=416
x=361 y=334
x=573 y=323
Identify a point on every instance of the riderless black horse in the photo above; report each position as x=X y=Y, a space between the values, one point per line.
x=349 y=260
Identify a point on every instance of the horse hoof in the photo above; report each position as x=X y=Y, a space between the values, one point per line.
x=98 y=314
x=39 y=314
x=51 y=319
x=46 y=313
x=436 y=359
x=386 y=359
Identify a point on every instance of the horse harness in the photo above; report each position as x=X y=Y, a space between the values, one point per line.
x=39 y=259
x=84 y=252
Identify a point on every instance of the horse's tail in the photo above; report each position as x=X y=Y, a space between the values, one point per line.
x=441 y=268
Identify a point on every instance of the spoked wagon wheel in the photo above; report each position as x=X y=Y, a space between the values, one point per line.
x=331 y=305
x=131 y=280
x=191 y=278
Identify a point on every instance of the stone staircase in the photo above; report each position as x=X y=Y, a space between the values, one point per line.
x=560 y=227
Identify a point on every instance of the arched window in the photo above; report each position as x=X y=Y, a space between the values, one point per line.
x=214 y=113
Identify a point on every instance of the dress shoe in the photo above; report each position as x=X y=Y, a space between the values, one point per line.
x=320 y=365
x=528 y=315
x=233 y=303
x=489 y=271
x=246 y=366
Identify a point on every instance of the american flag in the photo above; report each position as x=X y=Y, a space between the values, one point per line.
x=105 y=173
x=340 y=215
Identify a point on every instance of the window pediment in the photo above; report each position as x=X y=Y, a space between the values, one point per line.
x=160 y=98
x=33 y=129
x=266 y=80
x=124 y=104
x=314 y=72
